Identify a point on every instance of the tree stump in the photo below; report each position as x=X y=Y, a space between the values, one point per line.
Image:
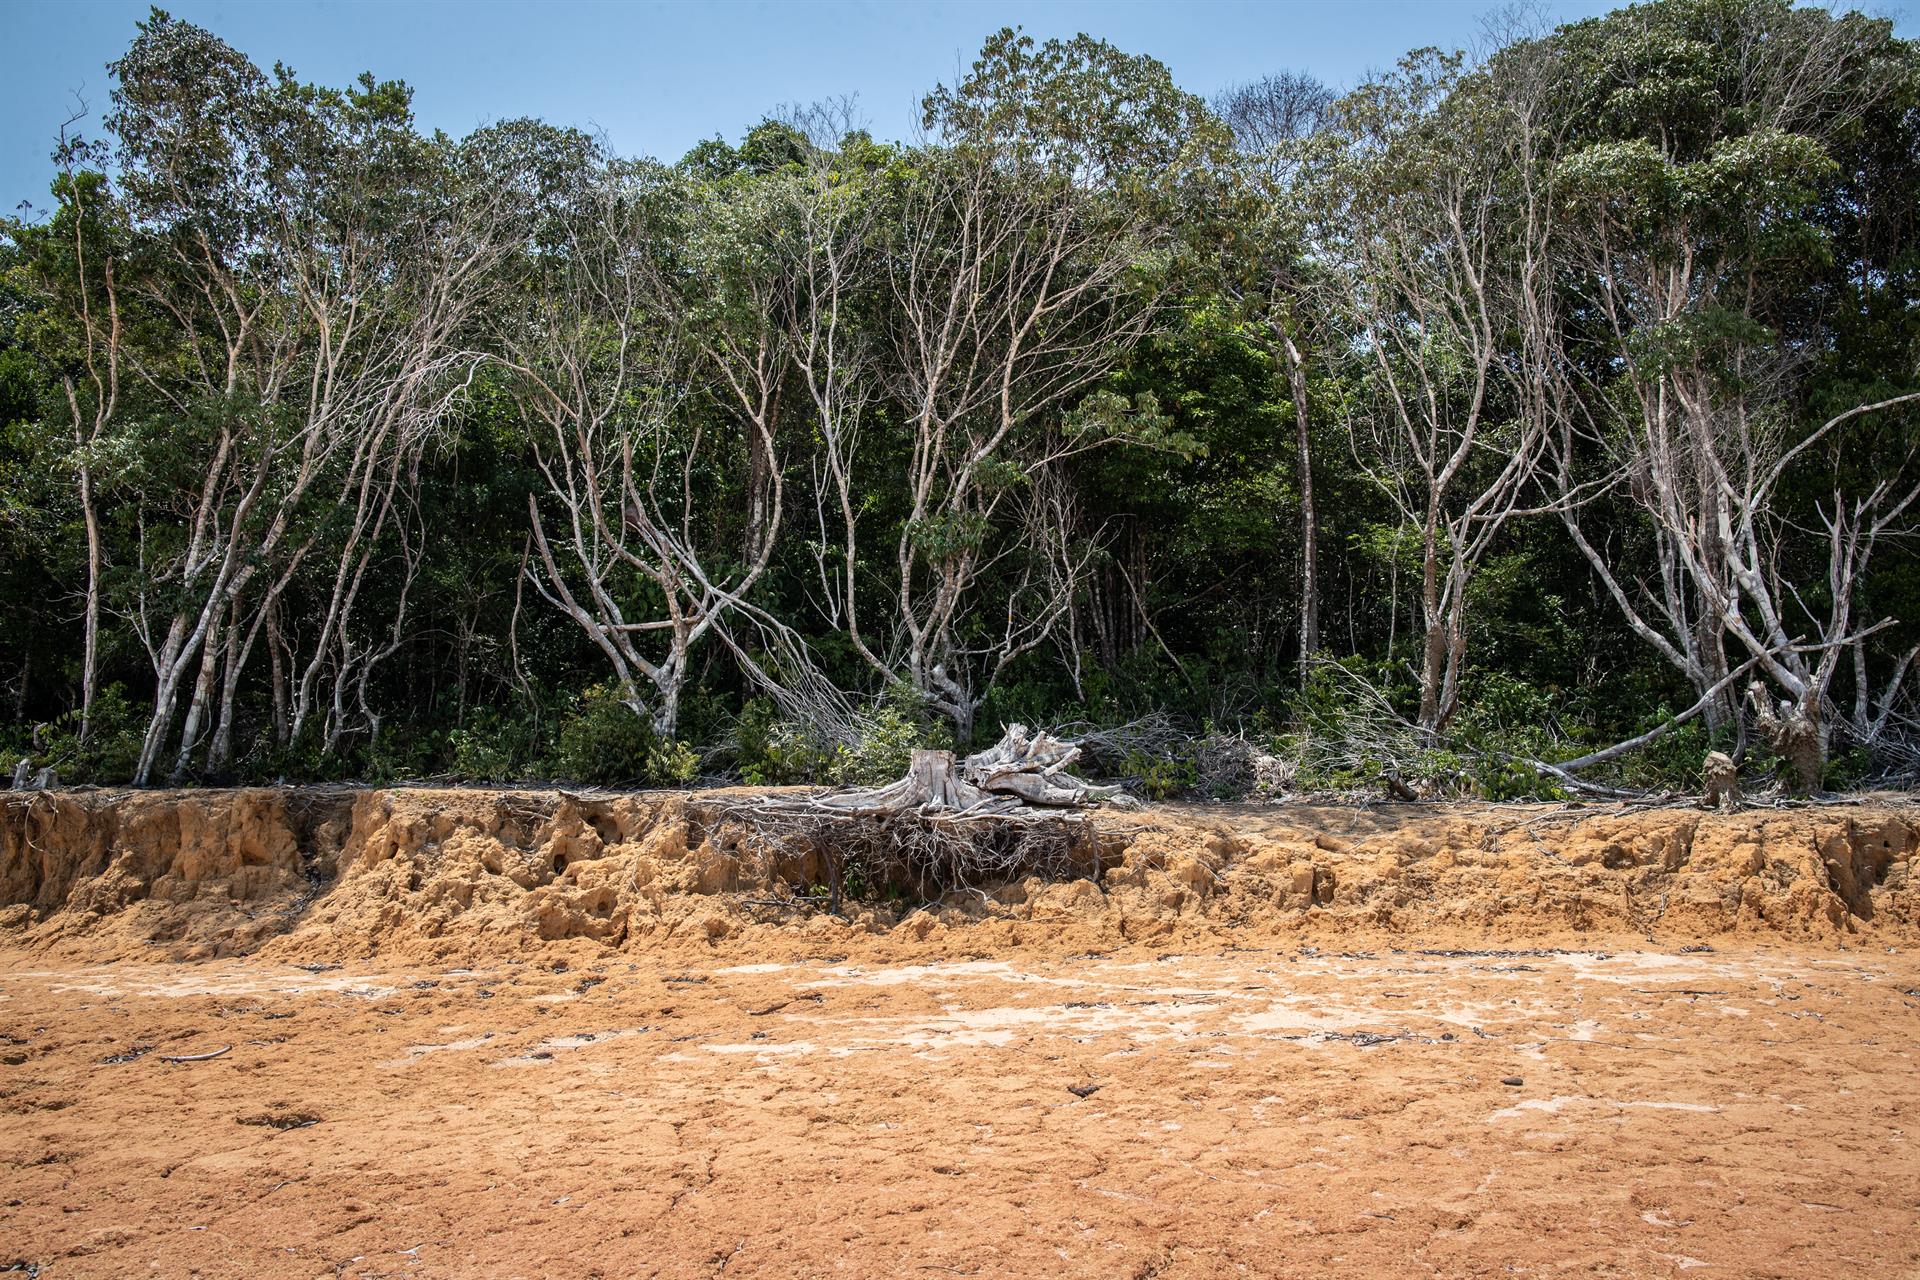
x=1723 y=782
x=1793 y=733
x=932 y=783
x=994 y=815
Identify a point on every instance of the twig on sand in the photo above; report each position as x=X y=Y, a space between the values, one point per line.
x=132 y=1054
x=196 y=1057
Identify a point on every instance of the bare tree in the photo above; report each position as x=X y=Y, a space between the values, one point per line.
x=1022 y=260
x=316 y=270
x=1429 y=207
x=1685 y=400
x=840 y=270
x=90 y=377
x=1270 y=116
x=1011 y=301
x=622 y=534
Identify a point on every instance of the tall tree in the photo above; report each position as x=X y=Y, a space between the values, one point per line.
x=315 y=266
x=1428 y=209
x=1716 y=174
x=1029 y=253
x=1271 y=118
x=623 y=371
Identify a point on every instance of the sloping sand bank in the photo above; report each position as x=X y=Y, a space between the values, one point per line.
x=437 y=874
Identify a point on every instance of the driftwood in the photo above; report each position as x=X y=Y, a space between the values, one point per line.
x=949 y=822
x=1022 y=777
x=222 y=1051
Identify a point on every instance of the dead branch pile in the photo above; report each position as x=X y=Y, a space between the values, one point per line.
x=1010 y=810
x=1105 y=747
x=1230 y=766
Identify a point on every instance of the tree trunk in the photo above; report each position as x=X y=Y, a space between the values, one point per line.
x=666 y=711
x=1433 y=668
x=1433 y=662
x=1309 y=522
x=210 y=651
x=166 y=693
x=158 y=725
x=238 y=655
x=90 y=647
x=278 y=674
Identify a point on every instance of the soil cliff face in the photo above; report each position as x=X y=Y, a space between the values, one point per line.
x=334 y=873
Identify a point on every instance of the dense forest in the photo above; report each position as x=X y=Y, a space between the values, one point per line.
x=1525 y=420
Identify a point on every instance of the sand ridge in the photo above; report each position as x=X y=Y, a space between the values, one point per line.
x=447 y=874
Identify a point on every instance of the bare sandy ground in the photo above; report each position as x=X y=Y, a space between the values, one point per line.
x=1741 y=1111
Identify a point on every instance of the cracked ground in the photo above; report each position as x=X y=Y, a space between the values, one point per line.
x=1437 y=1110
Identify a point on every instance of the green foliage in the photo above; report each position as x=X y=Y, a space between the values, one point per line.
x=1161 y=776
x=1080 y=108
x=672 y=763
x=496 y=745
x=105 y=755
x=769 y=751
x=605 y=740
x=1125 y=512
x=1505 y=723
x=887 y=736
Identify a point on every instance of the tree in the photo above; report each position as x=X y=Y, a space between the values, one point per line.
x=1710 y=185
x=1271 y=118
x=1428 y=211
x=1025 y=257
x=314 y=264
x=80 y=335
x=619 y=368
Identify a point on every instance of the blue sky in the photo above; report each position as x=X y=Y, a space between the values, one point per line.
x=658 y=77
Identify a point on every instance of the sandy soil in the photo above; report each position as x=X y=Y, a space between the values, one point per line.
x=1740 y=1111
x=498 y=1034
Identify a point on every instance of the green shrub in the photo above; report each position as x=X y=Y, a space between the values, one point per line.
x=888 y=735
x=1161 y=776
x=1673 y=762
x=605 y=741
x=495 y=746
x=1503 y=723
x=111 y=751
x=394 y=756
x=769 y=751
x=671 y=763
x=1847 y=768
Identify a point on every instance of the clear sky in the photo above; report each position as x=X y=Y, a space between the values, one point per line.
x=658 y=77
